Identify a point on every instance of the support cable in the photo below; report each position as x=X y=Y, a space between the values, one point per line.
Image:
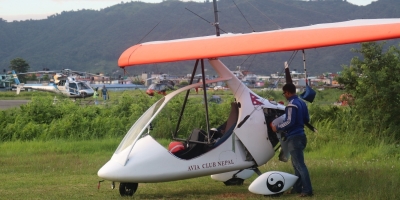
x=243 y=16
x=213 y=24
x=265 y=15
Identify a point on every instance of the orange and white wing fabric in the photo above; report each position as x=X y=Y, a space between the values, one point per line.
x=320 y=35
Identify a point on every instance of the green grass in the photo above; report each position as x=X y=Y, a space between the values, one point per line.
x=345 y=160
x=68 y=170
x=12 y=95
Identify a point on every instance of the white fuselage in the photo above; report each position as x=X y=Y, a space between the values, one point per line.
x=140 y=158
x=68 y=87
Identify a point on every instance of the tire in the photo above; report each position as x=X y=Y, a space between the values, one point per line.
x=83 y=94
x=234 y=181
x=127 y=189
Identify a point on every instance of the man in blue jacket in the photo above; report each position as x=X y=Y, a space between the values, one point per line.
x=296 y=116
x=104 y=93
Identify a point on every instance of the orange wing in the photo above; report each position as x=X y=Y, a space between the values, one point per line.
x=320 y=35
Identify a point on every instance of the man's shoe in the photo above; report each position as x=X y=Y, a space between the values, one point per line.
x=292 y=192
x=282 y=156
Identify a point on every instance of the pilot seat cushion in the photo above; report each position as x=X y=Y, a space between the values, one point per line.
x=175 y=147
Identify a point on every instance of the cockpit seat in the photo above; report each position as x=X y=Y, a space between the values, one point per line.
x=196 y=143
x=229 y=125
x=193 y=149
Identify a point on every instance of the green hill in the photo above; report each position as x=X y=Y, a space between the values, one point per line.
x=92 y=41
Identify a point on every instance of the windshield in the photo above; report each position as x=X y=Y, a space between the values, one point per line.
x=83 y=86
x=139 y=127
x=152 y=87
x=72 y=85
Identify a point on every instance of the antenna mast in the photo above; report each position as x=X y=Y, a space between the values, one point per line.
x=216 y=23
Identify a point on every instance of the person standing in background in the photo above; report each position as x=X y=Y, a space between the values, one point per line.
x=96 y=96
x=104 y=93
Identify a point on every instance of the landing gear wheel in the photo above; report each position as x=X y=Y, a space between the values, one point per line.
x=234 y=181
x=127 y=189
x=83 y=94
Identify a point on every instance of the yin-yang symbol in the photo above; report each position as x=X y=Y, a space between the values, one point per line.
x=275 y=182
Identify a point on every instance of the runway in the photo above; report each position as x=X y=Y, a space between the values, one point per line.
x=5 y=104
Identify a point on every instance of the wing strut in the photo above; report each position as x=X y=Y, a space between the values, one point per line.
x=174 y=135
x=205 y=100
x=184 y=102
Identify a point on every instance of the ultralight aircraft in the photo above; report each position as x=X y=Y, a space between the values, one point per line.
x=245 y=140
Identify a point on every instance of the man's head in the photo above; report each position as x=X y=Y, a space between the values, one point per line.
x=289 y=89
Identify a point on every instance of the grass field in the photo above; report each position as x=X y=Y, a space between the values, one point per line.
x=68 y=170
x=344 y=163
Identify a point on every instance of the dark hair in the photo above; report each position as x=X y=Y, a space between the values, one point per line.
x=289 y=87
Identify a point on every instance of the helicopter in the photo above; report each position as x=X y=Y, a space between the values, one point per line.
x=160 y=86
x=5 y=81
x=64 y=83
x=245 y=140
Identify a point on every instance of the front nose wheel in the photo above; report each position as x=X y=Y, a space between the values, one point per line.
x=127 y=189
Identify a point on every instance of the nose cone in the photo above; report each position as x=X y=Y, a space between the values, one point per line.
x=87 y=92
x=150 y=92
x=111 y=171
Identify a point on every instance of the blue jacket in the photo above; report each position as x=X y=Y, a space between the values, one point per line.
x=296 y=115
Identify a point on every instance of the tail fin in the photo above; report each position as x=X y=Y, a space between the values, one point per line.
x=15 y=78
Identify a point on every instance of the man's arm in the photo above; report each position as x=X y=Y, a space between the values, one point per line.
x=291 y=113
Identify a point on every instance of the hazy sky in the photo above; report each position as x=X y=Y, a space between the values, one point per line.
x=39 y=9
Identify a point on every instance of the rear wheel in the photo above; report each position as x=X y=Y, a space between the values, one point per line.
x=234 y=181
x=127 y=189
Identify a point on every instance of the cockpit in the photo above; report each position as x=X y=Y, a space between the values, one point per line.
x=196 y=142
x=83 y=86
x=158 y=87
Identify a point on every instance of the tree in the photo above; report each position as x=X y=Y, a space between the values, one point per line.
x=19 y=65
x=46 y=77
x=31 y=77
x=374 y=83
